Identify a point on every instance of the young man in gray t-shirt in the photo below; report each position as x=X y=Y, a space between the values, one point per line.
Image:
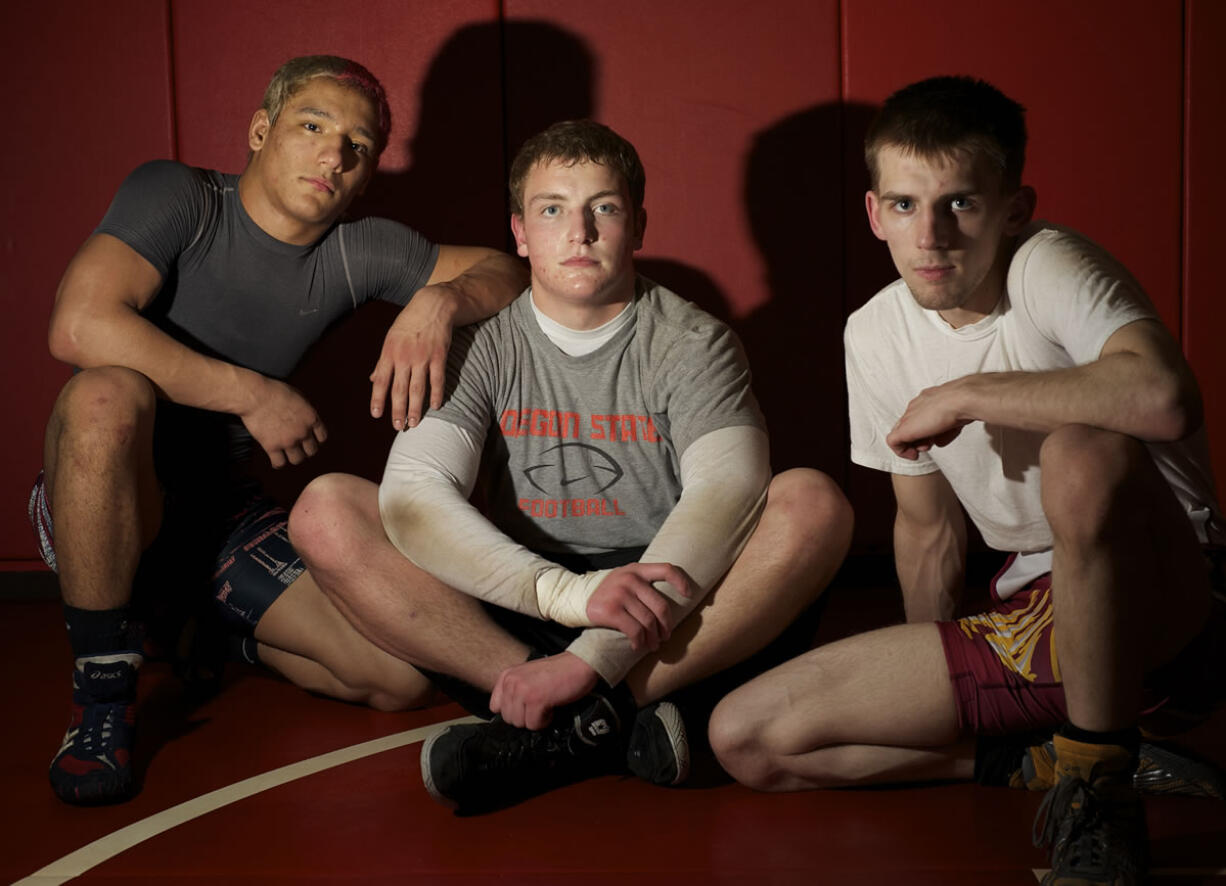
x=184 y=312
x=629 y=479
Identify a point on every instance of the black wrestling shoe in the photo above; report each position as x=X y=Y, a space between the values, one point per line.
x=479 y=767
x=659 y=751
x=1093 y=820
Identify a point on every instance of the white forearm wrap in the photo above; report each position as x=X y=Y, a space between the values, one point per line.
x=423 y=500
x=724 y=478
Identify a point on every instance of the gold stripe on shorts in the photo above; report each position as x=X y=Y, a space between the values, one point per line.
x=1014 y=636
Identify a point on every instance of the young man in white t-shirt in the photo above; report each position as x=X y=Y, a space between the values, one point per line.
x=1018 y=374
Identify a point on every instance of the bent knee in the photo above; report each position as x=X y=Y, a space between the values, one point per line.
x=384 y=689
x=328 y=515
x=393 y=700
x=810 y=510
x=741 y=744
x=403 y=689
x=1086 y=474
x=109 y=403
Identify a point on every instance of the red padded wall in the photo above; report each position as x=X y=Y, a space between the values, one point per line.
x=1103 y=82
x=1205 y=195
x=89 y=100
x=733 y=109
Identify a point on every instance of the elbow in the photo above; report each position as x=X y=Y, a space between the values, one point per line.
x=1176 y=410
x=64 y=341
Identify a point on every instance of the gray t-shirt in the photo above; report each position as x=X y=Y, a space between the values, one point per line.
x=584 y=451
x=233 y=292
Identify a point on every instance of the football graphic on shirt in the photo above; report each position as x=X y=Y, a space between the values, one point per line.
x=574 y=470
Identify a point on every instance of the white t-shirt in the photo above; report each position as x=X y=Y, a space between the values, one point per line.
x=1064 y=297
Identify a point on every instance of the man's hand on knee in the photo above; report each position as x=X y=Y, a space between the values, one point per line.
x=627 y=601
x=525 y=695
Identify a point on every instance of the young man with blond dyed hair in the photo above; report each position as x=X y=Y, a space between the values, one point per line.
x=636 y=542
x=185 y=311
x=1016 y=372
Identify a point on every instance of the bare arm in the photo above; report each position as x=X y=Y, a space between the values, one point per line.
x=97 y=322
x=468 y=283
x=1140 y=385
x=929 y=546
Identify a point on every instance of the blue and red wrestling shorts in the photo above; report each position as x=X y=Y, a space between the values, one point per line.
x=236 y=539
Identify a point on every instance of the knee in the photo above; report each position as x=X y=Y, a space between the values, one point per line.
x=741 y=742
x=383 y=683
x=376 y=688
x=809 y=513
x=1086 y=475
x=394 y=698
x=107 y=406
x=325 y=520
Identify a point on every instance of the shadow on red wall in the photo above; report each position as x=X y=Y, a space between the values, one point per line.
x=803 y=187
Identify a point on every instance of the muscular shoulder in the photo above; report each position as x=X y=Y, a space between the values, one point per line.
x=161 y=207
x=1072 y=291
x=370 y=233
x=383 y=259
x=1054 y=259
x=168 y=180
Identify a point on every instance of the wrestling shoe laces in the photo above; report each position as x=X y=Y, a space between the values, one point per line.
x=479 y=767
x=94 y=762
x=1095 y=828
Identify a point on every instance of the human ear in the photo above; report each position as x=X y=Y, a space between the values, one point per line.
x=871 y=205
x=1021 y=209
x=517 y=228
x=257 y=132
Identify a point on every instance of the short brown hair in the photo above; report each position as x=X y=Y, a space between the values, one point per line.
x=943 y=115
x=294 y=74
x=578 y=141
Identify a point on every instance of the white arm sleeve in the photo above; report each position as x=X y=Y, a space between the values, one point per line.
x=423 y=501
x=724 y=478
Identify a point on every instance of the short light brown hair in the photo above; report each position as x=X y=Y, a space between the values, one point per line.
x=295 y=73
x=942 y=116
x=578 y=141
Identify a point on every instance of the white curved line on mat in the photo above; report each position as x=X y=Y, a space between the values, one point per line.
x=76 y=863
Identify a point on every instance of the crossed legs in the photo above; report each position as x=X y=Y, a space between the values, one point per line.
x=798 y=545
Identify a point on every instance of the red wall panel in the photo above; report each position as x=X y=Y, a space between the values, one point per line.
x=1205 y=195
x=92 y=100
x=733 y=109
x=1103 y=82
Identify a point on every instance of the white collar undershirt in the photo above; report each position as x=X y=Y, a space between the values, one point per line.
x=577 y=342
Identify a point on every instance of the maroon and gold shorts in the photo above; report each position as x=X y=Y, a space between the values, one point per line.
x=1006 y=675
